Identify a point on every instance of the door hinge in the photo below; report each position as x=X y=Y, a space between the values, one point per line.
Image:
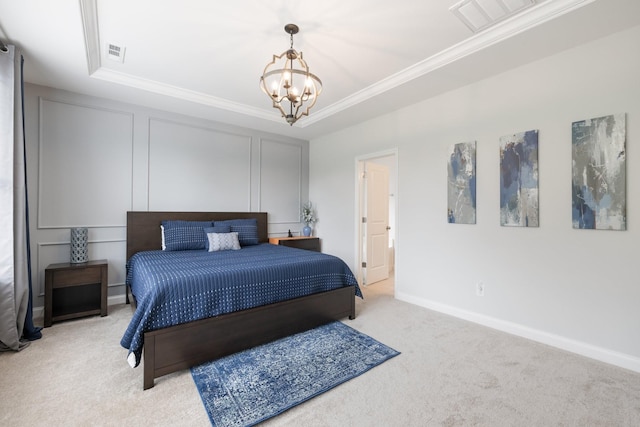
x=364 y=219
x=364 y=265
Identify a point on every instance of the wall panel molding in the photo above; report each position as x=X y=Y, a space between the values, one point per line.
x=280 y=178
x=78 y=147
x=195 y=167
x=94 y=159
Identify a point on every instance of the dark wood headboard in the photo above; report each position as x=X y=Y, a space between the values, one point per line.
x=143 y=228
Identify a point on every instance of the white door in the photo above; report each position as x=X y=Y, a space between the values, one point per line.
x=377 y=222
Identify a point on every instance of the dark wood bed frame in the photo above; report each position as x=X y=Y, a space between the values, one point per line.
x=183 y=346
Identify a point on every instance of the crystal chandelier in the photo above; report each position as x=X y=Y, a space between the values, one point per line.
x=293 y=89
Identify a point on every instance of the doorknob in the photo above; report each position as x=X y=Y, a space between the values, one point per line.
x=388 y=228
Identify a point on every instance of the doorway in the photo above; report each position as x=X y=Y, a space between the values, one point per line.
x=376 y=217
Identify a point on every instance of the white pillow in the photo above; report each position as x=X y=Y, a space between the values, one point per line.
x=223 y=241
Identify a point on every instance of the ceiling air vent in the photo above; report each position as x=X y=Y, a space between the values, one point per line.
x=480 y=14
x=115 y=52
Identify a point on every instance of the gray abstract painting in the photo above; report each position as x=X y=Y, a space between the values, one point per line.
x=519 y=179
x=461 y=191
x=599 y=173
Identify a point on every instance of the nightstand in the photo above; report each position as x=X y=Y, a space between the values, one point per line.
x=75 y=290
x=300 y=242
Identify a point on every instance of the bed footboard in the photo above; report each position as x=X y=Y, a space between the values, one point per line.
x=184 y=346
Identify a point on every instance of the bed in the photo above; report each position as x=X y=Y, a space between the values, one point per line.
x=220 y=324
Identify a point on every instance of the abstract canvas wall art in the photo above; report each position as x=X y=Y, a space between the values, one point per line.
x=599 y=173
x=461 y=191
x=519 y=179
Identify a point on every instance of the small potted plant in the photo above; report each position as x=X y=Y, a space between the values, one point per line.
x=308 y=217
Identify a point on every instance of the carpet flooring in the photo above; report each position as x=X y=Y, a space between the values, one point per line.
x=451 y=373
x=257 y=384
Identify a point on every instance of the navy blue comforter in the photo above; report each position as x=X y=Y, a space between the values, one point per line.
x=178 y=287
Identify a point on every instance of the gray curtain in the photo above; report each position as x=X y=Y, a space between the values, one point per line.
x=16 y=324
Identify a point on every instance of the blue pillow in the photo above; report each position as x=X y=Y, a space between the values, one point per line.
x=247 y=230
x=182 y=235
x=218 y=229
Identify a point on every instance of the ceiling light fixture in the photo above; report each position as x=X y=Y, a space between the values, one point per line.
x=480 y=14
x=287 y=81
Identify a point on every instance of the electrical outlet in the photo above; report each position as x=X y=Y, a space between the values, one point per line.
x=480 y=289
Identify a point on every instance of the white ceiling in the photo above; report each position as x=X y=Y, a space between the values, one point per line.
x=204 y=58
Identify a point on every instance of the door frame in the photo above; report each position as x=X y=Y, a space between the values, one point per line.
x=359 y=207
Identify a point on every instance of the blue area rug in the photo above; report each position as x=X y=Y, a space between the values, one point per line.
x=251 y=386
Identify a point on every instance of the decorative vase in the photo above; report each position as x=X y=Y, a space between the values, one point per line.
x=79 y=252
x=306 y=231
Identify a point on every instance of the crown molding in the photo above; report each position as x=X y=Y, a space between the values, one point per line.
x=125 y=79
x=89 y=15
x=517 y=24
x=535 y=16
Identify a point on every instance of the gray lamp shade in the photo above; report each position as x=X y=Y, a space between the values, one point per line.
x=79 y=238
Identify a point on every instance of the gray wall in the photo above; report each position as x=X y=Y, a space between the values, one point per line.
x=575 y=289
x=91 y=160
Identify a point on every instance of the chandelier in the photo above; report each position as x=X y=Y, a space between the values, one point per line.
x=293 y=89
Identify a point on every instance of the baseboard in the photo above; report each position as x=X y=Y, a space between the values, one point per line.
x=116 y=299
x=38 y=312
x=594 y=352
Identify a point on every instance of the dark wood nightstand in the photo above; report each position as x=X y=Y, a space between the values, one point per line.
x=75 y=290
x=300 y=242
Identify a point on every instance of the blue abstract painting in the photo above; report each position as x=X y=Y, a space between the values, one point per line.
x=599 y=173
x=519 y=179
x=461 y=192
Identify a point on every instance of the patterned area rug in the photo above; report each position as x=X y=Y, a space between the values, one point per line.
x=251 y=386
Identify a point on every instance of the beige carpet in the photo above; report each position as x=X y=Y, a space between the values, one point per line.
x=450 y=373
